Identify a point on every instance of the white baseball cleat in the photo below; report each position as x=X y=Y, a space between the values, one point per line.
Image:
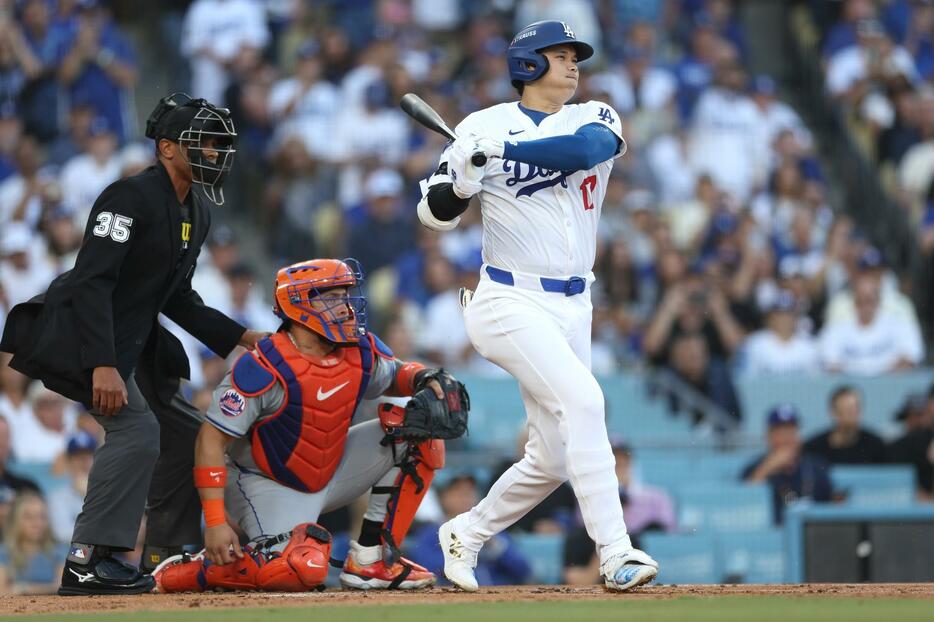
x=459 y=561
x=628 y=570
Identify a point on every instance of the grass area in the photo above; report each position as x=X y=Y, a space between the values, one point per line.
x=701 y=609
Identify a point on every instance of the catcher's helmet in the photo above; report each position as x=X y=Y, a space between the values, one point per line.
x=524 y=58
x=301 y=297
x=200 y=126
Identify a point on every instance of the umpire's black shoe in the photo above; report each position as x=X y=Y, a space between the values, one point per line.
x=103 y=575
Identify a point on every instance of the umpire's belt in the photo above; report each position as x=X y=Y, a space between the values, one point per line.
x=569 y=287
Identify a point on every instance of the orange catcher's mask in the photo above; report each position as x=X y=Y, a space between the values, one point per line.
x=323 y=295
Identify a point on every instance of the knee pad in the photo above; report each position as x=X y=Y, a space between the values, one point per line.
x=302 y=565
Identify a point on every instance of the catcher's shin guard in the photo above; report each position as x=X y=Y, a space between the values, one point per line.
x=302 y=565
x=186 y=573
x=416 y=473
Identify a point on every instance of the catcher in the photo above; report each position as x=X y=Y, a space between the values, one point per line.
x=286 y=439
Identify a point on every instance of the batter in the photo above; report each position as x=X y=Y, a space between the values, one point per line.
x=541 y=193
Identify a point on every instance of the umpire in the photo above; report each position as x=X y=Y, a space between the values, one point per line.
x=94 y=337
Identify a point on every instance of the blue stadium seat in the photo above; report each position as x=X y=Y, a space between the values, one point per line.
x=723 y=467
x=882 y=396
x=683 y=558
x=724 y=507
x=39 y=472
x=545 y=553
x=635 y=415
x=497 y=413
x=452 y=469
x=752 y=556
x=879 y=486
x=663 y=468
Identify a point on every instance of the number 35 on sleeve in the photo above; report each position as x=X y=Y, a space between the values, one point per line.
x=115 y=226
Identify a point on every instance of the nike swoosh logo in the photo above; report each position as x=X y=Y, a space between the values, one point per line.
x=311 y=564
x=323 y=395
x=215 y=473
x=81 y=577
x=511 y=133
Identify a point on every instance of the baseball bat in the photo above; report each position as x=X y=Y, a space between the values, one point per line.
x=418 y=109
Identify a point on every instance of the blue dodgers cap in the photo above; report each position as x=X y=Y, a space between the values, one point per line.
x=99 y=126
x=82 y=440
x=784 y=301
x=763 y=84
x=308 y=49
x=870 y=259
x=783 y=414
x=724 y=223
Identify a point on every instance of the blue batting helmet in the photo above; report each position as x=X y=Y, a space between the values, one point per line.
x=524 y=57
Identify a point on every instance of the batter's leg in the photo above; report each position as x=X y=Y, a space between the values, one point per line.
x=523 y=485
x=524 y=333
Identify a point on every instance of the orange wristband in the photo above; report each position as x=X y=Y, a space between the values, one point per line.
x=405 y=378
x=213 y=512
x=210 y=477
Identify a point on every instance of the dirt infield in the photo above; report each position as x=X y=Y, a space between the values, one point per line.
x=33 y=605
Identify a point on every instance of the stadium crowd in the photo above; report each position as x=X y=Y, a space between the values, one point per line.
x=719 y=252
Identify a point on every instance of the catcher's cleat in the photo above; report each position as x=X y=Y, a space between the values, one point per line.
x=628 y=570
x=459 y=561
x=364 y=569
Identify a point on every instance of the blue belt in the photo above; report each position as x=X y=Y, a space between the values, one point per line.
x=570 y=287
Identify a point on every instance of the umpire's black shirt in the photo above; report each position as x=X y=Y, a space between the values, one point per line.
x=136 y=260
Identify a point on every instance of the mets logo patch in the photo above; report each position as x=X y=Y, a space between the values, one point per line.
x=231 y=403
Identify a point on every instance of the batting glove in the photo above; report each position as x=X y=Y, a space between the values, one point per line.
x=491 y=147
x=466 y=177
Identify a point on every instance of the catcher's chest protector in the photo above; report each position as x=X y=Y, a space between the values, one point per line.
x=301 y=445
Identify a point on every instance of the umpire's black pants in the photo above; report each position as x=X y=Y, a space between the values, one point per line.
x=129 y=467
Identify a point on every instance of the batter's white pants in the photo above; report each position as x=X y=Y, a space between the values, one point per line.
x=543 y=340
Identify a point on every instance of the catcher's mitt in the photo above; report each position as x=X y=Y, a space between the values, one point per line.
x=428 y=417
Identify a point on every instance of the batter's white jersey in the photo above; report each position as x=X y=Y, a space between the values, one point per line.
x=536 y=220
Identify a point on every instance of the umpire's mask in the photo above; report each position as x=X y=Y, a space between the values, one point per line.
x=207 y=133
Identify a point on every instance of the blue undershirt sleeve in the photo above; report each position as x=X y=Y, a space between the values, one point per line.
x=590 y=145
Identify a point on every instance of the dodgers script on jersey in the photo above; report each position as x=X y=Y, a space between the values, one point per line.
x=536 y=220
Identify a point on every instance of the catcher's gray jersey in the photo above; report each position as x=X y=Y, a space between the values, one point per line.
x=235 y=414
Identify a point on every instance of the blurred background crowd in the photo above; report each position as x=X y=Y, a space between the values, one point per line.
x=728 y=249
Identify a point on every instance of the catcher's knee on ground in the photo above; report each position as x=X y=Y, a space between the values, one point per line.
x=302 y=565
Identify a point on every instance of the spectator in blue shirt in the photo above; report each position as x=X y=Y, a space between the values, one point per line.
x=39 y=102
x=499 y=563
x=96 y=59
x=29 y=558
x=383 y=229
x=791 y=473
x=843 y=33
x=18 y=65
x=695 y=71
x=410 y=266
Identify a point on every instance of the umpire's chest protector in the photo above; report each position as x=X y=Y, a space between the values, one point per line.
x=301 y=444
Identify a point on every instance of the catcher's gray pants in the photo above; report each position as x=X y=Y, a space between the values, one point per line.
x=129 y=466
x=263 y=506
